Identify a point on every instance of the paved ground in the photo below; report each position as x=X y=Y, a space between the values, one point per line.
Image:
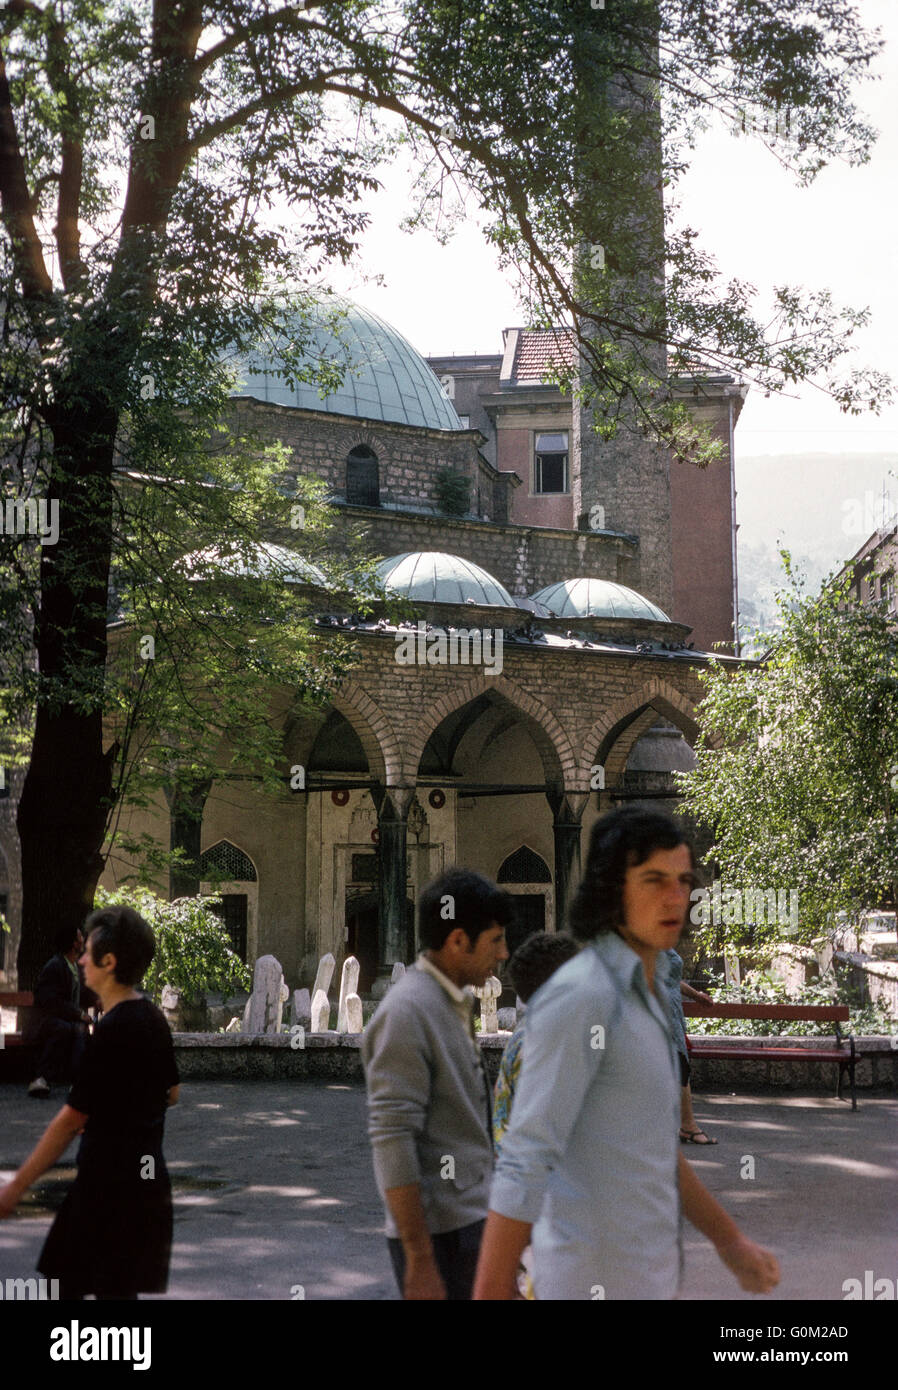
x=274 y=1190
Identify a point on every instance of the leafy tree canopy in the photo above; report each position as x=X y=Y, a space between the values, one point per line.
x=193 y=954
x=175 y=178
x=797 y=764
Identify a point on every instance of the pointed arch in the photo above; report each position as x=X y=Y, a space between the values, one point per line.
x=617 y=729
x=554 y=746
x=229 y=862
x=524 y=865
x=374 y=730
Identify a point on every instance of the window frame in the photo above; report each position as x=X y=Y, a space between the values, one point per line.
x=536 y=489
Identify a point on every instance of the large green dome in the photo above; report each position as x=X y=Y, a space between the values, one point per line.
x=432 y=576
x=384 y=378
x=597 y=598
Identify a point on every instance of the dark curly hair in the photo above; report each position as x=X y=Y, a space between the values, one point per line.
x=537 y=958
x=620 y=839
x=476 y=902
x=123 y=933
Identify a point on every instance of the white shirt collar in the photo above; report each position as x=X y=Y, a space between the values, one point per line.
x=458 y=996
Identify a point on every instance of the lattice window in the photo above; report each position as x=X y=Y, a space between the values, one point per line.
x=524 y=866
x=227 y=862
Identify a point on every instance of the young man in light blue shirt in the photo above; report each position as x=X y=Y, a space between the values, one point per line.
x=590 y=1163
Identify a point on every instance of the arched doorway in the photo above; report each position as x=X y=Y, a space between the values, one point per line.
x=363 y=935
x=523 y=874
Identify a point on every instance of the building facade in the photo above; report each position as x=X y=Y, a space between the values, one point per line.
x=563 y=615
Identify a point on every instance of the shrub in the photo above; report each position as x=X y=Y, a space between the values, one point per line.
x=193 y=953
x=760 y=988
x=452 y=491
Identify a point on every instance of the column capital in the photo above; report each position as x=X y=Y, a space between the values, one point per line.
x=392 y=802
x=567 y=805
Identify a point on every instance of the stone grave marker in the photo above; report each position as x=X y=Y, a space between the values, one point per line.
x=321 y=1012
x=349 y=983
x=489 y=996
x=355 y=1021
x=302 y=1007
x=265 y=1007
x=325 y=974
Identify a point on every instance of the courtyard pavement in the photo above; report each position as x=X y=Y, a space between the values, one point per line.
x=275 y=1196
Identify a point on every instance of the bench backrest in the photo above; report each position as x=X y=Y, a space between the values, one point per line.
x=818 y=1013
x=23 y=1000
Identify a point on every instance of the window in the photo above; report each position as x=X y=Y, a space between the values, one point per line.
x=524 y=866
x=232 y=912
x=550 y=472
x=466 y=421
x=362 y=477
x=226 y=861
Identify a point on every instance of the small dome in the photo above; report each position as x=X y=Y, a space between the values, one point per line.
x=384 y=377
x=431 y=576
x=270 y=562
x=597 y=598
x=662 y=748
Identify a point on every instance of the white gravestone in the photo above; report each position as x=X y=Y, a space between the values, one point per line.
x=489 y=996
x=302 y=1007
x=325 y=974
x=266 y=1003
x=355 y=1021
x=321 y=1012
x=349 y=983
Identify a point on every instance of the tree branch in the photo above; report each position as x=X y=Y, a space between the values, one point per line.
x=16 y=204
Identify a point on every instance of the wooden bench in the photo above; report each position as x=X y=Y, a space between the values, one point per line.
x=24 y=999
x=707 y=1048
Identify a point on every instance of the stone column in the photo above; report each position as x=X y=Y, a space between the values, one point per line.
x=393 y=804
x=567 y=813
x=185 y=806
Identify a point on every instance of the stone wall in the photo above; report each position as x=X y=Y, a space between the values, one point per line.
x=630 y=477
x=409 y=456
x=877 y=980
x=225 y=1056
x=523 y=558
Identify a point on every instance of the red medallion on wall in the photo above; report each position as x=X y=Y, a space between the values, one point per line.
x=375 y=834
x=340 y=798
x=437 y=798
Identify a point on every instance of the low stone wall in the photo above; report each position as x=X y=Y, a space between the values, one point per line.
x=336 y=1057
x=267 y=1057
x=877 y=979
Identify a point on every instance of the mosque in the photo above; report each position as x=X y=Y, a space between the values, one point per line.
x=584 y=585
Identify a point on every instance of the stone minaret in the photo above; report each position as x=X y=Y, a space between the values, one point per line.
x=621 y=274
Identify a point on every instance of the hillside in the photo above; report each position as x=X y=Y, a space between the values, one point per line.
x=820 y=507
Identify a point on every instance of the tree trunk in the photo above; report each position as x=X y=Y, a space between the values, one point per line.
x=61 y=820
x=65 y=800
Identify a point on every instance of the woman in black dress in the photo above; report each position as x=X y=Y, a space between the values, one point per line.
x=112 y=1235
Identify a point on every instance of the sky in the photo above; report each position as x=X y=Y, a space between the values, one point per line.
x=839 y=234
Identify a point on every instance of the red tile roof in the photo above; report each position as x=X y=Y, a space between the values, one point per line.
x=539 y=349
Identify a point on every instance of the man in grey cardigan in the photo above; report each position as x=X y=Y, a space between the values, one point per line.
x=428 y=1096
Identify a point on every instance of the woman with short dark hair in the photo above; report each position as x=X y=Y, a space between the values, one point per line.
x=112 y=1235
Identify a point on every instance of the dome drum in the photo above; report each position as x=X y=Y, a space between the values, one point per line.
x=616 y=630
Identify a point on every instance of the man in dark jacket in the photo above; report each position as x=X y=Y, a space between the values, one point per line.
x=58 y=1024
